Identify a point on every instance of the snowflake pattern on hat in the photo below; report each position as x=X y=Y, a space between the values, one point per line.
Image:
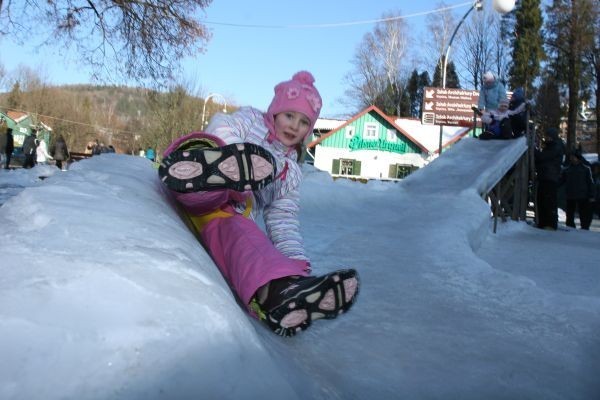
x=293 y=93
x=314 y=101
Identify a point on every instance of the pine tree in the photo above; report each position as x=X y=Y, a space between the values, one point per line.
x=528 y=49
x=414 y=90
x=452 y=80
x=570 y=30
x=412 y=87
x=424 y=82
x=547 y=105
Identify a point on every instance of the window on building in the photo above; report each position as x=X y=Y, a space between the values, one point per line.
x=391 y=135
x=350 y=132
x=371 y=131
x=400 y=171
x=345 y=166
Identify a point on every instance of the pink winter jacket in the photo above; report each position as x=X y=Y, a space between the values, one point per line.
x=279 y=201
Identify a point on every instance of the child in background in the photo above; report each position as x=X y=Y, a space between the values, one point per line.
x=497 y=122
x=243 y=164
x=42 y=155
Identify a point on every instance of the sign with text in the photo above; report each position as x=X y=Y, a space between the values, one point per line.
x=448 y=106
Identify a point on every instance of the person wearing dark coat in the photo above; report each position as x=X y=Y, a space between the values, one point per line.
x=3 y=142
x=579 y=190
x=596 y=176
x=10 y=147
x=29 y=151
x=59 y=151
x=518 y=112
x=548 y=163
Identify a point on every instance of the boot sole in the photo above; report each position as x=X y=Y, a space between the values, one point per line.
x=239 y=166
x=327 y=298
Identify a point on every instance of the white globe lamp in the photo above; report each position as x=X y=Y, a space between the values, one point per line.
x=503 y=6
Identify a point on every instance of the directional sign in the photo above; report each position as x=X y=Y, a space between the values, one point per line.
x=448 y=106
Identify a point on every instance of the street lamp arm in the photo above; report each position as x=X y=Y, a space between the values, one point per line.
x=476 y=6
x=501 y=6
x=206 y=101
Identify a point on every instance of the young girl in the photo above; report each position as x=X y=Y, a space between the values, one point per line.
x=244 y=164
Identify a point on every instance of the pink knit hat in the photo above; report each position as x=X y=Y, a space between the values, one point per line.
x=298 y=95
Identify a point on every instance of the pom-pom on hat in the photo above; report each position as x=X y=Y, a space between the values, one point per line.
x=298 y=94
x=489 y=76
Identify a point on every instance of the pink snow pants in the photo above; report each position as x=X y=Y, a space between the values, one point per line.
x=244 y=254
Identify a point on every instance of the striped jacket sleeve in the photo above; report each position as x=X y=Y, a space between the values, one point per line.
x=233 y=128
x=283 y=226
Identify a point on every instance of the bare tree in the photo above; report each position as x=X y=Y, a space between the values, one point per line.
x=592 y=56
x=501 y=46
x=172 y=114
x=364 y=81
x=440 y=27
x=478 y=46
x=570 y=31
x=141 y=40
x=380 y=65
x=2 y=75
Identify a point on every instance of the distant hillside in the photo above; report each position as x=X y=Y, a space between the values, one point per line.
x=128 y=118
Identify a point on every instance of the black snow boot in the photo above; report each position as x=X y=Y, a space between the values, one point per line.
x=289 y=305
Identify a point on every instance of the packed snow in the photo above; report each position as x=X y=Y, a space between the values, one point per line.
x=106 y=294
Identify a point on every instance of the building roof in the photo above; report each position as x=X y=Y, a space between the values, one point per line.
x=16 y=116
x=324 y=124
x=429 y=135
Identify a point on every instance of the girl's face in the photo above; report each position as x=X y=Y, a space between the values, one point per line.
x=291 y=127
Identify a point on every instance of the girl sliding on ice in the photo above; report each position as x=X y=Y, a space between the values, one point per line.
x=244 y=164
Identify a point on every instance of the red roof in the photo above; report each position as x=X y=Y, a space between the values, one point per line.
x=16 y=115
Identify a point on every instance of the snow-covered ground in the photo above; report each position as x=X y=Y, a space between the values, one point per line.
x=105 y=293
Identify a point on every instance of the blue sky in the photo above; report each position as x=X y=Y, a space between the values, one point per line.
x=244 y=63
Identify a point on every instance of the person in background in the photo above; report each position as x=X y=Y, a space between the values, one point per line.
x=41 y=152
x=517 y=109
x=89 y=148
x=3 y=143
x=141 y=152
x=505 y=122
x=497 y=122
x=10 y=147
x=548 y=163
x=59 y=151
x=579 y=190
x=3 y=130
x=150 y=154
x=596 y=177
x=29 y=150
x=98 y=148
x=492 y=93
x=244 y=165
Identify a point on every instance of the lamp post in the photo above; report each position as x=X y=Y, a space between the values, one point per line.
x=501 y=6
x=477 y=5
x=204 y=107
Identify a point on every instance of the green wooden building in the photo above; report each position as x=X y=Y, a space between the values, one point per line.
x=24 y=124
x=373 y=145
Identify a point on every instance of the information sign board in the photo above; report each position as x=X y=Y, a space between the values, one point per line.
x=448 y=106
